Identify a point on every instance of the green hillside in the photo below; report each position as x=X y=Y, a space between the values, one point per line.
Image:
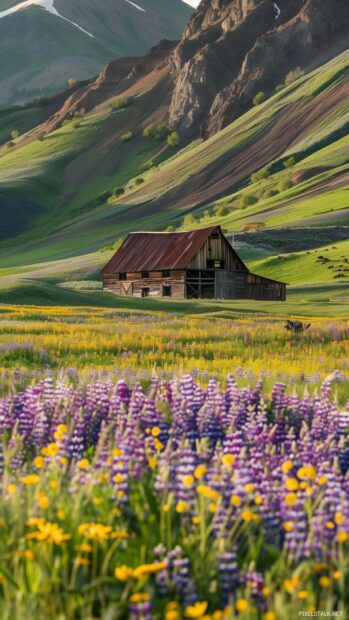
x=56 y=185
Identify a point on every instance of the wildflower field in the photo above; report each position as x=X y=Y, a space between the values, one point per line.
x=163 y=467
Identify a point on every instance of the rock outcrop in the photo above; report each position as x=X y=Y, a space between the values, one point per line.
x=233 y=49
x=230 y=51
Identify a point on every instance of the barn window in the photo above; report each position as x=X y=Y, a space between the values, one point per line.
x=166 y=291
x=145 y=292
x=122 y=276
x=215 y=264
x=166 y=273
x=215 y=236
x=145 y=274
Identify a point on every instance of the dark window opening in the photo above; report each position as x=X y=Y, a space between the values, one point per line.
x=122 y=276
x=215 y=264
x=145 y=292
x=166 y=291
x=166 y=273
x=145 y=274
x=214 y=236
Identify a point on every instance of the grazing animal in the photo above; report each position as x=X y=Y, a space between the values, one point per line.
x=296 y=327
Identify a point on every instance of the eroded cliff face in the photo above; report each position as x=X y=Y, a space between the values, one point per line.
x=229 y=51
x=232 y=49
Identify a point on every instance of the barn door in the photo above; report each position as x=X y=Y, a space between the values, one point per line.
x=127 y=288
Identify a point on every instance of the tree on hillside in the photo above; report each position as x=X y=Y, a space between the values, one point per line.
x=259 y=98
x=72 y=81
x=14 y=134
x=291 y=161
x=189 y=220
x=259 y=175
x=173 y=138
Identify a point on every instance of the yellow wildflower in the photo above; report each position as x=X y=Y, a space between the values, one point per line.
x=188 y=480
x=337 y=574
x=139 y=597
x=292 y=484
x=166 y=507
x=11 y=489
x=39 y=462
x=84 y=464
x=200 y=471
x=43 y=502
x=30 y=480
x=241 y=605
x=288 y=526
x=235 y=500
x=123 y=573
x=51 y=450
x=342 y=536
x=302 y=594
x=270 y=615
x=249 y=488
x=266 y=591
x=228 y=459
x=147 y=569
x=286 y=466
x=290 y=499
x=196 y=520
x=325 y=582
x=197 y=610
x=339 y=518
x=83 y=548
x=156 y=431
x=182 y=506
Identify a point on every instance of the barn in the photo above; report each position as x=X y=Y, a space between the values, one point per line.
x=192 y=265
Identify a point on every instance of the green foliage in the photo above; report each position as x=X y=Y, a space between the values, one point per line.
x=170 y=228
x=121 y=103
x=259 y=98
x=259 y=175
x=156 y=132
x=270 y=193
x=173 y=138
x=103 y=197
x=285 y=185
x=126 y=137
x=10 y=145
x=293 y=75
x=247 y=200
x=189 y=220
x=14 y=134
x=291 y=161
x=118 y=191
x=279 y=88
x=79 y=113
x=139 y=181
x=72 y=81
x=222 y=211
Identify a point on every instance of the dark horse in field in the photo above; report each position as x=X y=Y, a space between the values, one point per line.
x=296 y=327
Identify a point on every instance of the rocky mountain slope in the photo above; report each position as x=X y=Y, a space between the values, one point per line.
x=231 y=51
x=44 y=43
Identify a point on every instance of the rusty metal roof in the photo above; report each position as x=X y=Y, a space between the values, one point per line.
x=150 y=251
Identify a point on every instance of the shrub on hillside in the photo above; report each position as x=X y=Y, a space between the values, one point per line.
x=127 y=136
x=293 y=75
x=103 y=197
x=122 y=103
x=173 y=138
x=118 y=191
x=139 y=181
x=189 y=220
x=285 y=185
x=156 y=132
x=259 y=175
x=259 y=98
x=247 y=200
x=72 y=81
x=291 y=161
x=10 y=145
x=222 y=211
x=41 y=101
x=270 y=193
x=14 y=134
x=170 y=228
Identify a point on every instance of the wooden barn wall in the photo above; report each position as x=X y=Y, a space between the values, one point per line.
x=217 y=249
x=134 y=284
